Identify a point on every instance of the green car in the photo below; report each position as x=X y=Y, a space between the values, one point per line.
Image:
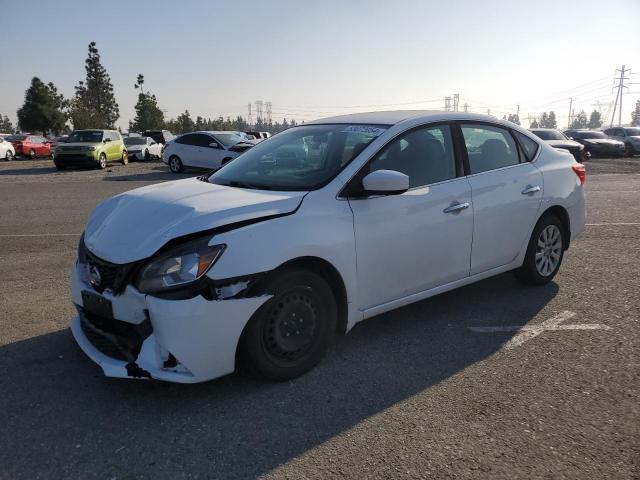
x=90 y=148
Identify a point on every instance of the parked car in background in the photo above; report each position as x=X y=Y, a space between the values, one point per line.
x=31 y=146
x=54 y=141
x=208 y=150
x=159 y=136
x=7 y=150
x=629 y=135
x=143 y=148
x=259 y=135
x=262 y=267
x=557 y=139
x=93 y=148
x=597 y=143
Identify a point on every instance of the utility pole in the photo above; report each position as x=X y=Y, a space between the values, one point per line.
x=466 y=107
x=447 y=104
x=259 y=117
x=249 y=115
x=569 y=119
x=488 y=111
x=456 y=101
x=268 y=105
x=518 y=111
x=618 y=103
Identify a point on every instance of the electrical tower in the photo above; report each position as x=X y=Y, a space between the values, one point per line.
x=466 y=107
x=621 y=86
x=249 y=115
x=447 y=104
x=259 y=116
x=268 y=106
x=456 y=101
x=570 y=112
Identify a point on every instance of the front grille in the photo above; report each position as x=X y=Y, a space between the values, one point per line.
x=74 y=157
x=114 y=338
x=113 y=276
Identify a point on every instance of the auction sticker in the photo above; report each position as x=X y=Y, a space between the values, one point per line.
x=375 y=131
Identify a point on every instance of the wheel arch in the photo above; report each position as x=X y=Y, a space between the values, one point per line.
x=561 y=213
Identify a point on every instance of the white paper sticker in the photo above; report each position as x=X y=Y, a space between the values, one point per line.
x=375 y=131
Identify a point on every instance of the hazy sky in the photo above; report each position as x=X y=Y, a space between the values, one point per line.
x=318 y=58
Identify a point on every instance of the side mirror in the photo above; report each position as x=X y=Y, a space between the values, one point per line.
x=385 y=182
x=106 y=140
x=214 y=145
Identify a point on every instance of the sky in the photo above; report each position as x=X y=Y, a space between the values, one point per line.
x=314 y=59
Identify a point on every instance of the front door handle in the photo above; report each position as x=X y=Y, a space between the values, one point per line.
x=456 y=207
x=530 y=189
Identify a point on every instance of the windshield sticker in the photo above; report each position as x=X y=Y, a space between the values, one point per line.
x=375 y=131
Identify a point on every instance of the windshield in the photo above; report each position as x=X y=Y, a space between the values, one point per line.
x=549 y=134
x=16 y=138
x=229 y=139
x=135 y=141
x=632 y=132
x=85 y=136
x=299 y=159
x=592 y=135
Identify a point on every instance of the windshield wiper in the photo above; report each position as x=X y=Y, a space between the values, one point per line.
x=252 y=186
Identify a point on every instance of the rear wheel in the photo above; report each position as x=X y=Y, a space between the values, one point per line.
x=147 y=157
x=544 y=252
x=290 y=333
x=32 y=154
x=628 y=150
x=175 y=164
x=125 y=157
x=9 y=156
x=102 y=161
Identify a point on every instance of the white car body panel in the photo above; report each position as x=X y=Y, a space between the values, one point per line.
x=388 y=250
x=203 y=157
x=6 y=146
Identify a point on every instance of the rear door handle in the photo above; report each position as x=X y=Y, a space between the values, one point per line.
x=456 y=207
x=530 y=189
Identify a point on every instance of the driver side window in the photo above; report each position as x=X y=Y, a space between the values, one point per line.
x=424 y=154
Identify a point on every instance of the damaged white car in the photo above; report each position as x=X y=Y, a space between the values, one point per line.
x=260 y=263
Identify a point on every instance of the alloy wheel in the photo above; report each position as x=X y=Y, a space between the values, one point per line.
x=548 y=250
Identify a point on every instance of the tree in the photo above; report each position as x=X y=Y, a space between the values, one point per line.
x=595 y=120
x=534 y=124
x=43 y=108
x=635 y=115
x=5 y=125
x=551 y=120
x=94 y=104
x=580 y=120
x=148 y=114
x=182 y=124
x=513 y=118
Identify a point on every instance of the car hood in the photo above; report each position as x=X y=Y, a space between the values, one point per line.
x=563 y=144
x=136 y=224
x=79 y=144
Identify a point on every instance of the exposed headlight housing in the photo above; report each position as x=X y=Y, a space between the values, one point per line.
x=178 y=266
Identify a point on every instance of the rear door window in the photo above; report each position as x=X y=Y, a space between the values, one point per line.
x=489 y=147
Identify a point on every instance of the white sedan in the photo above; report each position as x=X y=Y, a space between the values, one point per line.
x=142 y=148
x=209 y=150
x=7 y=151
x=312 y=231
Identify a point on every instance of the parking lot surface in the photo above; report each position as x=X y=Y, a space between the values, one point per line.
x=494 y=380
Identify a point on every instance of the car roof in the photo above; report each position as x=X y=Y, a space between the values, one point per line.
x=543 y=129
x=392 y=117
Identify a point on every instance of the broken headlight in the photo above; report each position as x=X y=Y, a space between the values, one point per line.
x=178 y=266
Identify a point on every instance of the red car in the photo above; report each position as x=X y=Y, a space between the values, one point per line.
x=31 y=146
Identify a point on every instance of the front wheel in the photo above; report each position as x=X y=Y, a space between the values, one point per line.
x=290 y=333
x=544 y=252
x=102 y=161
x=147 y=157
x=9 y=156
x=175 y=164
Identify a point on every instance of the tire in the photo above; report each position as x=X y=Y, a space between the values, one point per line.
x=9 y=156
x=125 y=158
x=147 y=157
x=628 y=150
x=60 y=167
x=102 y=161
x=175 y=164
x=277 y=344
x=544 y=252
x=32 y=154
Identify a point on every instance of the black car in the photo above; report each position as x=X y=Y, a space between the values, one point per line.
x=629 y=135
x=159 y=136
x=597 y=143
x=557 y=139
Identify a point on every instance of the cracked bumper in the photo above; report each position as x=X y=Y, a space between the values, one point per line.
x=202 y=335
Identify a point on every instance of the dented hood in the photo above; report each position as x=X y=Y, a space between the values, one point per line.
x=134 y=225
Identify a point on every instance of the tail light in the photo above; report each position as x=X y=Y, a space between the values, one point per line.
x=581 y=172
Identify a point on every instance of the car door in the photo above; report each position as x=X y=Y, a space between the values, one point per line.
x=421 y=238
x=211 y=157
x=507 y=192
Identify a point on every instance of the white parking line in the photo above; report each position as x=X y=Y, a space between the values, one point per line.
x=610 y=224
x=41 y=235
x=527 y=332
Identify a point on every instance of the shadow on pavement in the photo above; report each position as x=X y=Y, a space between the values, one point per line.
x=61 y=418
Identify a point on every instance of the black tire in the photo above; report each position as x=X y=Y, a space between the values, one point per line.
x=9 y=156
x=175 y=164
x=60 y=167
x=102 y=161
x=531 y=271
x=628 y=150
x=125 y=158
x=147 y=157
x=277 y=344
x=32 y=154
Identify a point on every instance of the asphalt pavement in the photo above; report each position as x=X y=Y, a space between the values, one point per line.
x=494 y=380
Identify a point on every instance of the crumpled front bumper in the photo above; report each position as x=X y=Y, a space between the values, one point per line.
x=191 y=340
